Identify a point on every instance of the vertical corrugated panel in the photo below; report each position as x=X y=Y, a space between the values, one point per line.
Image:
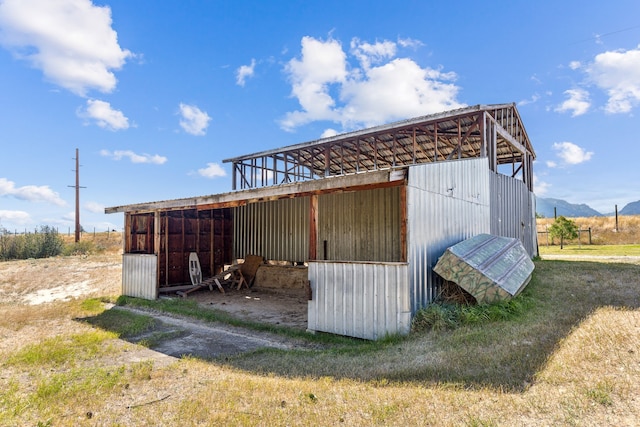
x=513 y=211
x=360 y=225
x=447 y=202
x=363 y=300
x=139 y=276
x=276 y=230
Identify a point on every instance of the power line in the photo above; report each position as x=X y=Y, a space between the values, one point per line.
x=599 y=36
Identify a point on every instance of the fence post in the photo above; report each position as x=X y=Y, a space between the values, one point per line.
x=546 y=228
x=589 y=235
x=579 y=237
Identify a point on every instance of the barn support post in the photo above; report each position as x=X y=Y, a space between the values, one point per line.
x=156 y=245
x=313 y=227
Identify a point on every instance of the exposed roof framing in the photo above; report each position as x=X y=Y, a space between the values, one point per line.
x=493 y=131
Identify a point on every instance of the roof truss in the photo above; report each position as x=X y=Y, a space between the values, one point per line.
x=493 y=131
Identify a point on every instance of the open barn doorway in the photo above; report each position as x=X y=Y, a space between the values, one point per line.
x=278 y=295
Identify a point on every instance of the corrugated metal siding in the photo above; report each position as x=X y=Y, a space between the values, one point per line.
x=277 y=230
x=446 y=203
x=360 y=226
x=513 y=211
x=139 y=276
x=364 y=300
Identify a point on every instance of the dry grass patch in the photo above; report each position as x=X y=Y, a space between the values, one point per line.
x=603 y=230
x=571 y=359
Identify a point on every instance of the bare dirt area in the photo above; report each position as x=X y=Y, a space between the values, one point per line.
x=261 y=305
x=32 y=287
x=40 y=281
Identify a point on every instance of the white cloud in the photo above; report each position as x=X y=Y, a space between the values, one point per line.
x=618 y=73
x=574 y=65
x=14 y=217
x=71 y=41
x=31 y=193
x=578 y=102
x=94 y=207
x=193 y=120
x=571 y=153
x=540 y=188
x=376 y=53
x=385 y=88
x=135 y=158
x=551 y=164
x=213 y=170
x=104 y=116
x=410 y=43
x=396 y=90
x=534 y=98
x=321 y=64
x=329 y=132
x=245 y=71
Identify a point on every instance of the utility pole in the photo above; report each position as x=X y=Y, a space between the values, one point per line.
x=77 y=187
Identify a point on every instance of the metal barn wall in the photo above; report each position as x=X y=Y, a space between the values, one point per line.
x=277 y=230
x=360 y=226
x=513 y=211
x=363 y=300
x=139 y=272
x=446 y=203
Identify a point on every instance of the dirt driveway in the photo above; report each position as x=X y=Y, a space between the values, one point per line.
x=35 y=283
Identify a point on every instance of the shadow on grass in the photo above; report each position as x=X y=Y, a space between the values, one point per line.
x=179 y=327
x=502 y=355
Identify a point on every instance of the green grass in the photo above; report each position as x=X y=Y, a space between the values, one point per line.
x=593 y=250
x=63 y=349
x=439 y=316
x=122 y=322
x=601 y=394
x=572 y=337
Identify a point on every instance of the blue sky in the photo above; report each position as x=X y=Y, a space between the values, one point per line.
x=156 y=94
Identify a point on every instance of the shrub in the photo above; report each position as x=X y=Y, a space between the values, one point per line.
x=83 y=247
x=45 y=243
x=442 y=315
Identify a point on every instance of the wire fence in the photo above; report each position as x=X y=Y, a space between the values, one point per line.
x=581 y=232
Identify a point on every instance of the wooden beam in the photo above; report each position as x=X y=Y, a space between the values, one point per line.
x=157 y=231
x=313 y=227
x=403 y=223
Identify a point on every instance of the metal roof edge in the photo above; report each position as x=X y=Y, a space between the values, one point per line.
x=271 y=192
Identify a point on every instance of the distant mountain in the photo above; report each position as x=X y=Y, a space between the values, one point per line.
x=546 y=207
x=632 y=208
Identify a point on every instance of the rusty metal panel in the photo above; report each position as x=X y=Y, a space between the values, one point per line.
x=360 y=226
x=277 y=230
x=447 y=202
x=139 y=273
x=359 y=299
x=513 y=211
